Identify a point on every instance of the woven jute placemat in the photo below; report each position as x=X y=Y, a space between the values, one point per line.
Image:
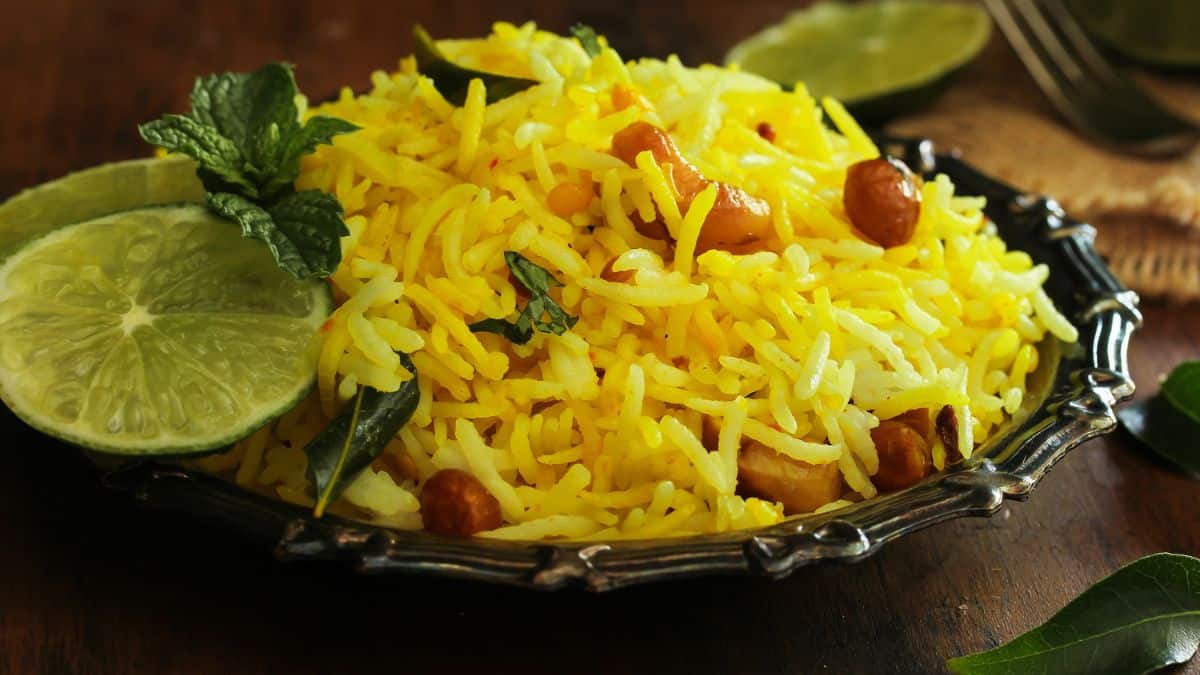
x=1147 y=212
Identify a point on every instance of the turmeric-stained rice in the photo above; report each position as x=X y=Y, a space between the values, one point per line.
x=803 y=346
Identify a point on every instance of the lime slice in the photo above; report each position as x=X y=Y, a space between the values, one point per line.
x=96 y=192
x=1158 y=33
x=156 y=331
x=859 y=52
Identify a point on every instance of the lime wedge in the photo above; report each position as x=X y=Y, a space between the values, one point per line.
x=1159 y=32
x=860 y=52
x=94 y=192
x=155 y=331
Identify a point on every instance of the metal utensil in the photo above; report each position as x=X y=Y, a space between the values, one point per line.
x=1081 y=83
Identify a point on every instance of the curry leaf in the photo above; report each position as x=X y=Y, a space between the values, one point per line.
x=1169 y=423
x=357 y=436
x=588 y=39
x=538 y=281
x=517 y=333
x=452 y=80
x=1164 y=430
x=531 y=275
x=1182 y=389
x=1143 y=617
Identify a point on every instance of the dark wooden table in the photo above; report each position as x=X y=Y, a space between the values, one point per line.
x=91 y=583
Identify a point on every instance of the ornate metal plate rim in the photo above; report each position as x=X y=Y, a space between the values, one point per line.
x=1088 y=381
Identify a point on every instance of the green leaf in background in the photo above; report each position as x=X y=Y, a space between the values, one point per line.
x=244 y=130
x=452 y=80
x=357 y=436
x=1169 y=423
x=1143 y=617
x=1165 y=430
x=1182 y=389
x=588 y=39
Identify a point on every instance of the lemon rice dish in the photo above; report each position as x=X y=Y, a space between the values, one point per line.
x=756 y=315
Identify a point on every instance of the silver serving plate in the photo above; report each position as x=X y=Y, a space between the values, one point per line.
x=1070 y=399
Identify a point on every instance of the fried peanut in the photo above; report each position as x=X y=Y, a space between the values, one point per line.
x=622 y=277
x=904 y=457
x=882 y=200
x=737 y=222
x=655 y=229
x=947 y=430
x=399 y=467
x=800 y=486
x=456 y=504
x=919 y=420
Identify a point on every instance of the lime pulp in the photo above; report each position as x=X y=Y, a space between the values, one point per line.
x=155 y=331
x=857 y=52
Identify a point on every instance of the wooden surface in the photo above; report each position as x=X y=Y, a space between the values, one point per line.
x=91 y=583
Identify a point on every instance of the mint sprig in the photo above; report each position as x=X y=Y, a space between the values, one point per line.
x=244 y=129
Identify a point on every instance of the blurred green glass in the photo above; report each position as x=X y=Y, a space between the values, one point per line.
x=1155 y=32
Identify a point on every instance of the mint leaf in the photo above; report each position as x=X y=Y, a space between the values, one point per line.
x=1143 y=617
x=296 y=229
x=245 y=132
x=588 y=39
x=317 y=131
x=452 y=80
x=312 y=223
x=222 y=165
x=538 y=281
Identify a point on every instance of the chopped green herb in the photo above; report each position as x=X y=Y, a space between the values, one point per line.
x=452 y=80
x=1168 y=423
x=1143 y=617
x=539 y=282
x=244 y=130
x=357 y=436
x=588 y=38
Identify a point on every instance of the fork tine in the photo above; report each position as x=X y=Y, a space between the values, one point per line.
x=1117 y=106
x=1096 y=99
x=1044 y=69
x=1083 y=45
x=1093 y=91
x=1050 y=41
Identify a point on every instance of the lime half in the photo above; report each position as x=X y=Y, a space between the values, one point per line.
x=859 y=52
x=95 y=192
x=156 y=331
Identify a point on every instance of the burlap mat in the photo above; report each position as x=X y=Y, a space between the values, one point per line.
x=1147 y=211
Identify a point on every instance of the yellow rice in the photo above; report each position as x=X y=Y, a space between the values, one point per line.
x=596 y=433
